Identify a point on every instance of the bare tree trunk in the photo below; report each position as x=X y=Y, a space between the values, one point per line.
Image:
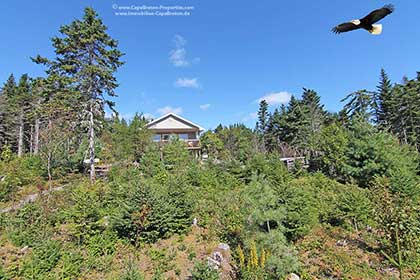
x=36 y=137
x=49 y=157
x=20 y=135
x=31 y=141
x=91 y=144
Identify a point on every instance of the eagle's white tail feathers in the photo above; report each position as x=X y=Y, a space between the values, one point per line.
x=376 y=30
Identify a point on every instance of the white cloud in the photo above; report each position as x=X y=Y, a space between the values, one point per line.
x=204 y=107
x=187 y=83
x=168 y=109
x=276 y=98
x=179 y=41
x=178 y=56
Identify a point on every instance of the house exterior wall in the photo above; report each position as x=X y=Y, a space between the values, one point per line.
x=171 y=125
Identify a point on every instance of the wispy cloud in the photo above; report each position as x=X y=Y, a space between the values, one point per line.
x=178 y=56
x=169 y=109
x=187 y=83
x=127 y=116
x=276 y=98
x=148 y=116
x=204 y=107
x=251 y=116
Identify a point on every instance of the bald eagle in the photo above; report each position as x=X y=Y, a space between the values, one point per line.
x=367 y=22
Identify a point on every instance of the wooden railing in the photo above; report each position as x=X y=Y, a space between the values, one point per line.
x=191 y=143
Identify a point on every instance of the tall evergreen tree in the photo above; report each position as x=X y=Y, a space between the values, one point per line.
x=314 y=117
x=359 y=104
x=382 y=100
x=294 y=123
x=22 y=101
x=7 y=113
x=88 y=57
x=263 y=116
x=276 y=128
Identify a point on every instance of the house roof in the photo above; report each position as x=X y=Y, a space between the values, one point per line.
x=176 y=117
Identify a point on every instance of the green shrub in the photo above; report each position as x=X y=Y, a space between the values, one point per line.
x=102 y=244
x=202 y=271
x=28 y=226
x=131 y=272
x=149 y=212
x=18 y=172
x=70 y=264
x=84 y=215
x=42 y=260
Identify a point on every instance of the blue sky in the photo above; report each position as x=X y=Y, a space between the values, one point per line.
x=214 y=65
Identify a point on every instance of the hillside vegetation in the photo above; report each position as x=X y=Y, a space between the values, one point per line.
x=350 y=210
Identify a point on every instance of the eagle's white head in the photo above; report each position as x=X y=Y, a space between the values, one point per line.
x=355 y=21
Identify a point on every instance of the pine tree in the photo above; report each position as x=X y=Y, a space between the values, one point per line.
x=382 y=100
x=22 y=101
x=314 y=118
x=276 y=129
x=7 y=113
x=263 y=116
x=88 y=58
x=294 y=123
x=359 y=104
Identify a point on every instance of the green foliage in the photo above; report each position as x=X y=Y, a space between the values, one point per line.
x=212 y=144
x=70 y=264
x=83 y=217
x=43 y=259
x=131 y=272
x=202 y=271
x=29 y=226
x=397 y=214
x=17 y=173
x=175 y=155
x=361 y=153
x=239 y=142
x=125 y=141
x=355 y=207
x=102 y=244
x=148 y=212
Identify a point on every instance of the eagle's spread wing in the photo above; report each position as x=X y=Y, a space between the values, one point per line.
x=378 y=14
x=345 y=27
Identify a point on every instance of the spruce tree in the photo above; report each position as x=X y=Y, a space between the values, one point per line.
x=382 y=100
x=262 y=116
x=359 y=104
x=88 y=57
x=314 y=118
x=7 y=113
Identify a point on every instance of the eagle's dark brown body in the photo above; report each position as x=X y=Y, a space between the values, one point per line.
x=367 y=22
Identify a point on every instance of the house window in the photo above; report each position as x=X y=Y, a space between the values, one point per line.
x=166 y=137
x=156 y=137
x=183 y=136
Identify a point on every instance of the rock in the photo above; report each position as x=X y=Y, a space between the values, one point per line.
x=215 y=260
x=24 y=249
x=195 y=222
x=223 y=246
x=342 y=243
x=292 y=276
x=220 y=259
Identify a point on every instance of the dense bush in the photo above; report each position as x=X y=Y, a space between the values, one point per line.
x=42 y=260
x=202 y=271
x=18 y=172
x=29 y=226
x=147 y=212
x=360 y=153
